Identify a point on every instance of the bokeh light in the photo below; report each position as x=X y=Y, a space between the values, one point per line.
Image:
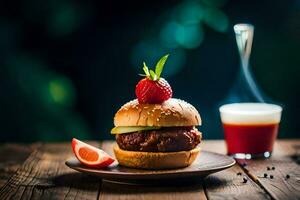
x=41 y=99
x=214 y=3
x=61 y=91
x=216 y=19
x=168 y=35
x=65 y=19
x=66 y=66
x=190 y=12
x=181 y=31
x=189 y=36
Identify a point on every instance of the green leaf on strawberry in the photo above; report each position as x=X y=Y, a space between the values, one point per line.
x=160 y=65
x=154 y=76
x=146 y=70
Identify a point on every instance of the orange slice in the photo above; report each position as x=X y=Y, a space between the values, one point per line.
x=90 y=155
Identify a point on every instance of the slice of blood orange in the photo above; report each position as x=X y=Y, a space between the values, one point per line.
x=90 y=155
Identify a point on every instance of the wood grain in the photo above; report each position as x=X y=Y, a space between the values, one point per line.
x=44 y=176
x=111 y=191
x=228 y=184
x=279 y=187
x=285 y=153
x=12 y=157
x=174 y=191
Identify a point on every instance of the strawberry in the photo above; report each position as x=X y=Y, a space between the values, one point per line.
x=153 y=88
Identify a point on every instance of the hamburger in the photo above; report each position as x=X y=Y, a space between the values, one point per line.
x=156 y=131
x=157 y=136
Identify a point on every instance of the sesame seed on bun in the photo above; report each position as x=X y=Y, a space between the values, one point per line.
x=171 y=113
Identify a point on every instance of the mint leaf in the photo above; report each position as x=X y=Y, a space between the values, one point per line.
x=146 y=70
x=153 y=75
x=160 y=65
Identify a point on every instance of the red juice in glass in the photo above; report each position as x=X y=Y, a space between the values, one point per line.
x=250 y=129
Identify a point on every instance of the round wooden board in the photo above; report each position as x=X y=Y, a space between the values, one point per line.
x=205 y=164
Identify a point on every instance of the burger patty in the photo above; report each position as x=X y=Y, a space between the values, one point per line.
x=162 y=140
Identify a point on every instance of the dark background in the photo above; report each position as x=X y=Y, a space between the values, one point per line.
x=67 y=66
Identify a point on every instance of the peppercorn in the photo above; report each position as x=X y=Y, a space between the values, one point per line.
x=273 y=168
x=239 y=173
x=244 y=164
x=268 y=168
x=265 y=175
x=287 y=176
x=271 y=176
x=245 y=180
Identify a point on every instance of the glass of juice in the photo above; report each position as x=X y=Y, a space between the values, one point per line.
x=250 y=129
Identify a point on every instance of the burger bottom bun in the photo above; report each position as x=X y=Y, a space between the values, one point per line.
x=155 y=160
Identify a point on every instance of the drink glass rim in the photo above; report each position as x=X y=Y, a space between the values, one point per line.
x=249 y=108
x=250 y=113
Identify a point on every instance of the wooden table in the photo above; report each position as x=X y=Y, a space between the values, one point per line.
x=37 y=171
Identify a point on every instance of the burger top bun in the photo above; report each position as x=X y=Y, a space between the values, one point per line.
x=173 y=112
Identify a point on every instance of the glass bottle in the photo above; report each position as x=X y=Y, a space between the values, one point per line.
x=245 y=88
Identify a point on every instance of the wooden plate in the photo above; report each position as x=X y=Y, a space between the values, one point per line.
x=205 y=164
